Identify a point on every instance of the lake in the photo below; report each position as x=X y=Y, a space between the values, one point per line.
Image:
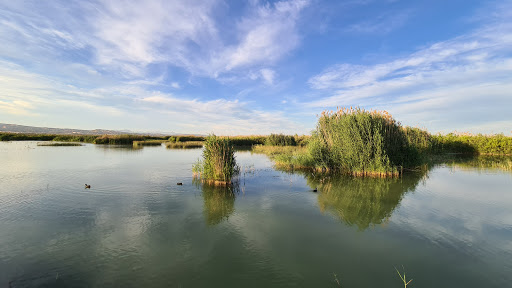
x=450 y=226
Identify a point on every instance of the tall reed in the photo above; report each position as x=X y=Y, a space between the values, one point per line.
x=360 y=142
x=218 y=163
x=280 y=140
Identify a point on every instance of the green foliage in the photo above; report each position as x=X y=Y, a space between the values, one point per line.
x=218 y=163
x=472 y=144
x=287 y=157
x=119 y=139
x=301 y=140
x=246 y=141
x=280 y=140
x=148 y=143
x=172 y=139
x=186 y=138
x=421 y=140
x=59 y=144
x=26 y=137
x=183 y=145
x=361 y=142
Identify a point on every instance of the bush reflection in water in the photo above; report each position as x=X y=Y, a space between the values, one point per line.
x=219 y=201
x=362 y=201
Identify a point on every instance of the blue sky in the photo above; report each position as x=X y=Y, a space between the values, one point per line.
x=255 y=67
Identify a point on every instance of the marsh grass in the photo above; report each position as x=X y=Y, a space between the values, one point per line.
x=184 y=145
x=119 y=139
x=148 y=143
x=362 y=143
x=59 y=144
x=280 y=140
x=287 y=157
x=246 y=141
x=185 y=138
x=6 y=136
x=218 y=165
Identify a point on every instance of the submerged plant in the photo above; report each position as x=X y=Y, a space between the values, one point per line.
x=218 y=161
x=403 y=278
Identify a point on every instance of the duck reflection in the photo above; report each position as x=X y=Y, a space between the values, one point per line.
x=219 y=201
x=359 y=201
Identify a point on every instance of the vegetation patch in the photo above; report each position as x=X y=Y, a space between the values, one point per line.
x=184 y=145
x=362 y=143
x=280 y=140
x=218 y=165
x=148 y=143
x=59 y=144
x=186 y=138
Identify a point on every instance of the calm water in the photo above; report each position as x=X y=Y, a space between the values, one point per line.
x=448 y=227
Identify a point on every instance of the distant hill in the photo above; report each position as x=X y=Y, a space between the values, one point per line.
x=14 y=128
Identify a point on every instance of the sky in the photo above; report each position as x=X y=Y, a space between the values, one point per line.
x=255 y=67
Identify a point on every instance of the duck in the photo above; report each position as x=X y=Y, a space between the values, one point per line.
x=87 y=186
x=315 y=190
x=179 y=183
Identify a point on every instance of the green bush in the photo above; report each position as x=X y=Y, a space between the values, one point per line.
x=218 y=163
x=187 y=138
x=361 y=142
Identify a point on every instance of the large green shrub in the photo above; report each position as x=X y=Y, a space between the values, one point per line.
x=361 y=142
x=218 y=163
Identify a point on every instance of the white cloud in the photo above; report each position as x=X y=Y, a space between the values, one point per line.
x=382 y=24
x=445 y=86
x=267 y=35
x=124 y=37
x=268 y=75
x=30 y=98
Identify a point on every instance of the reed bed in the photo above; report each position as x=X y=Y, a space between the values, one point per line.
x=280 y=140
x=59 y=144
x=184 y=145
x=186 y=138
x=148 y=143
x=287 y=157
x=119 y=139
x=5 y=136
x=362 y=143
x=218 y=165
x=246 y=141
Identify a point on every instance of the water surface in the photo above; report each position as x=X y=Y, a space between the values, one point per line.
x=447 y=227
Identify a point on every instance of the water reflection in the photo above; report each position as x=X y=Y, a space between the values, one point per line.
x=219 y=201
x=485 y=162
x=363 y=202
x=119 y=148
